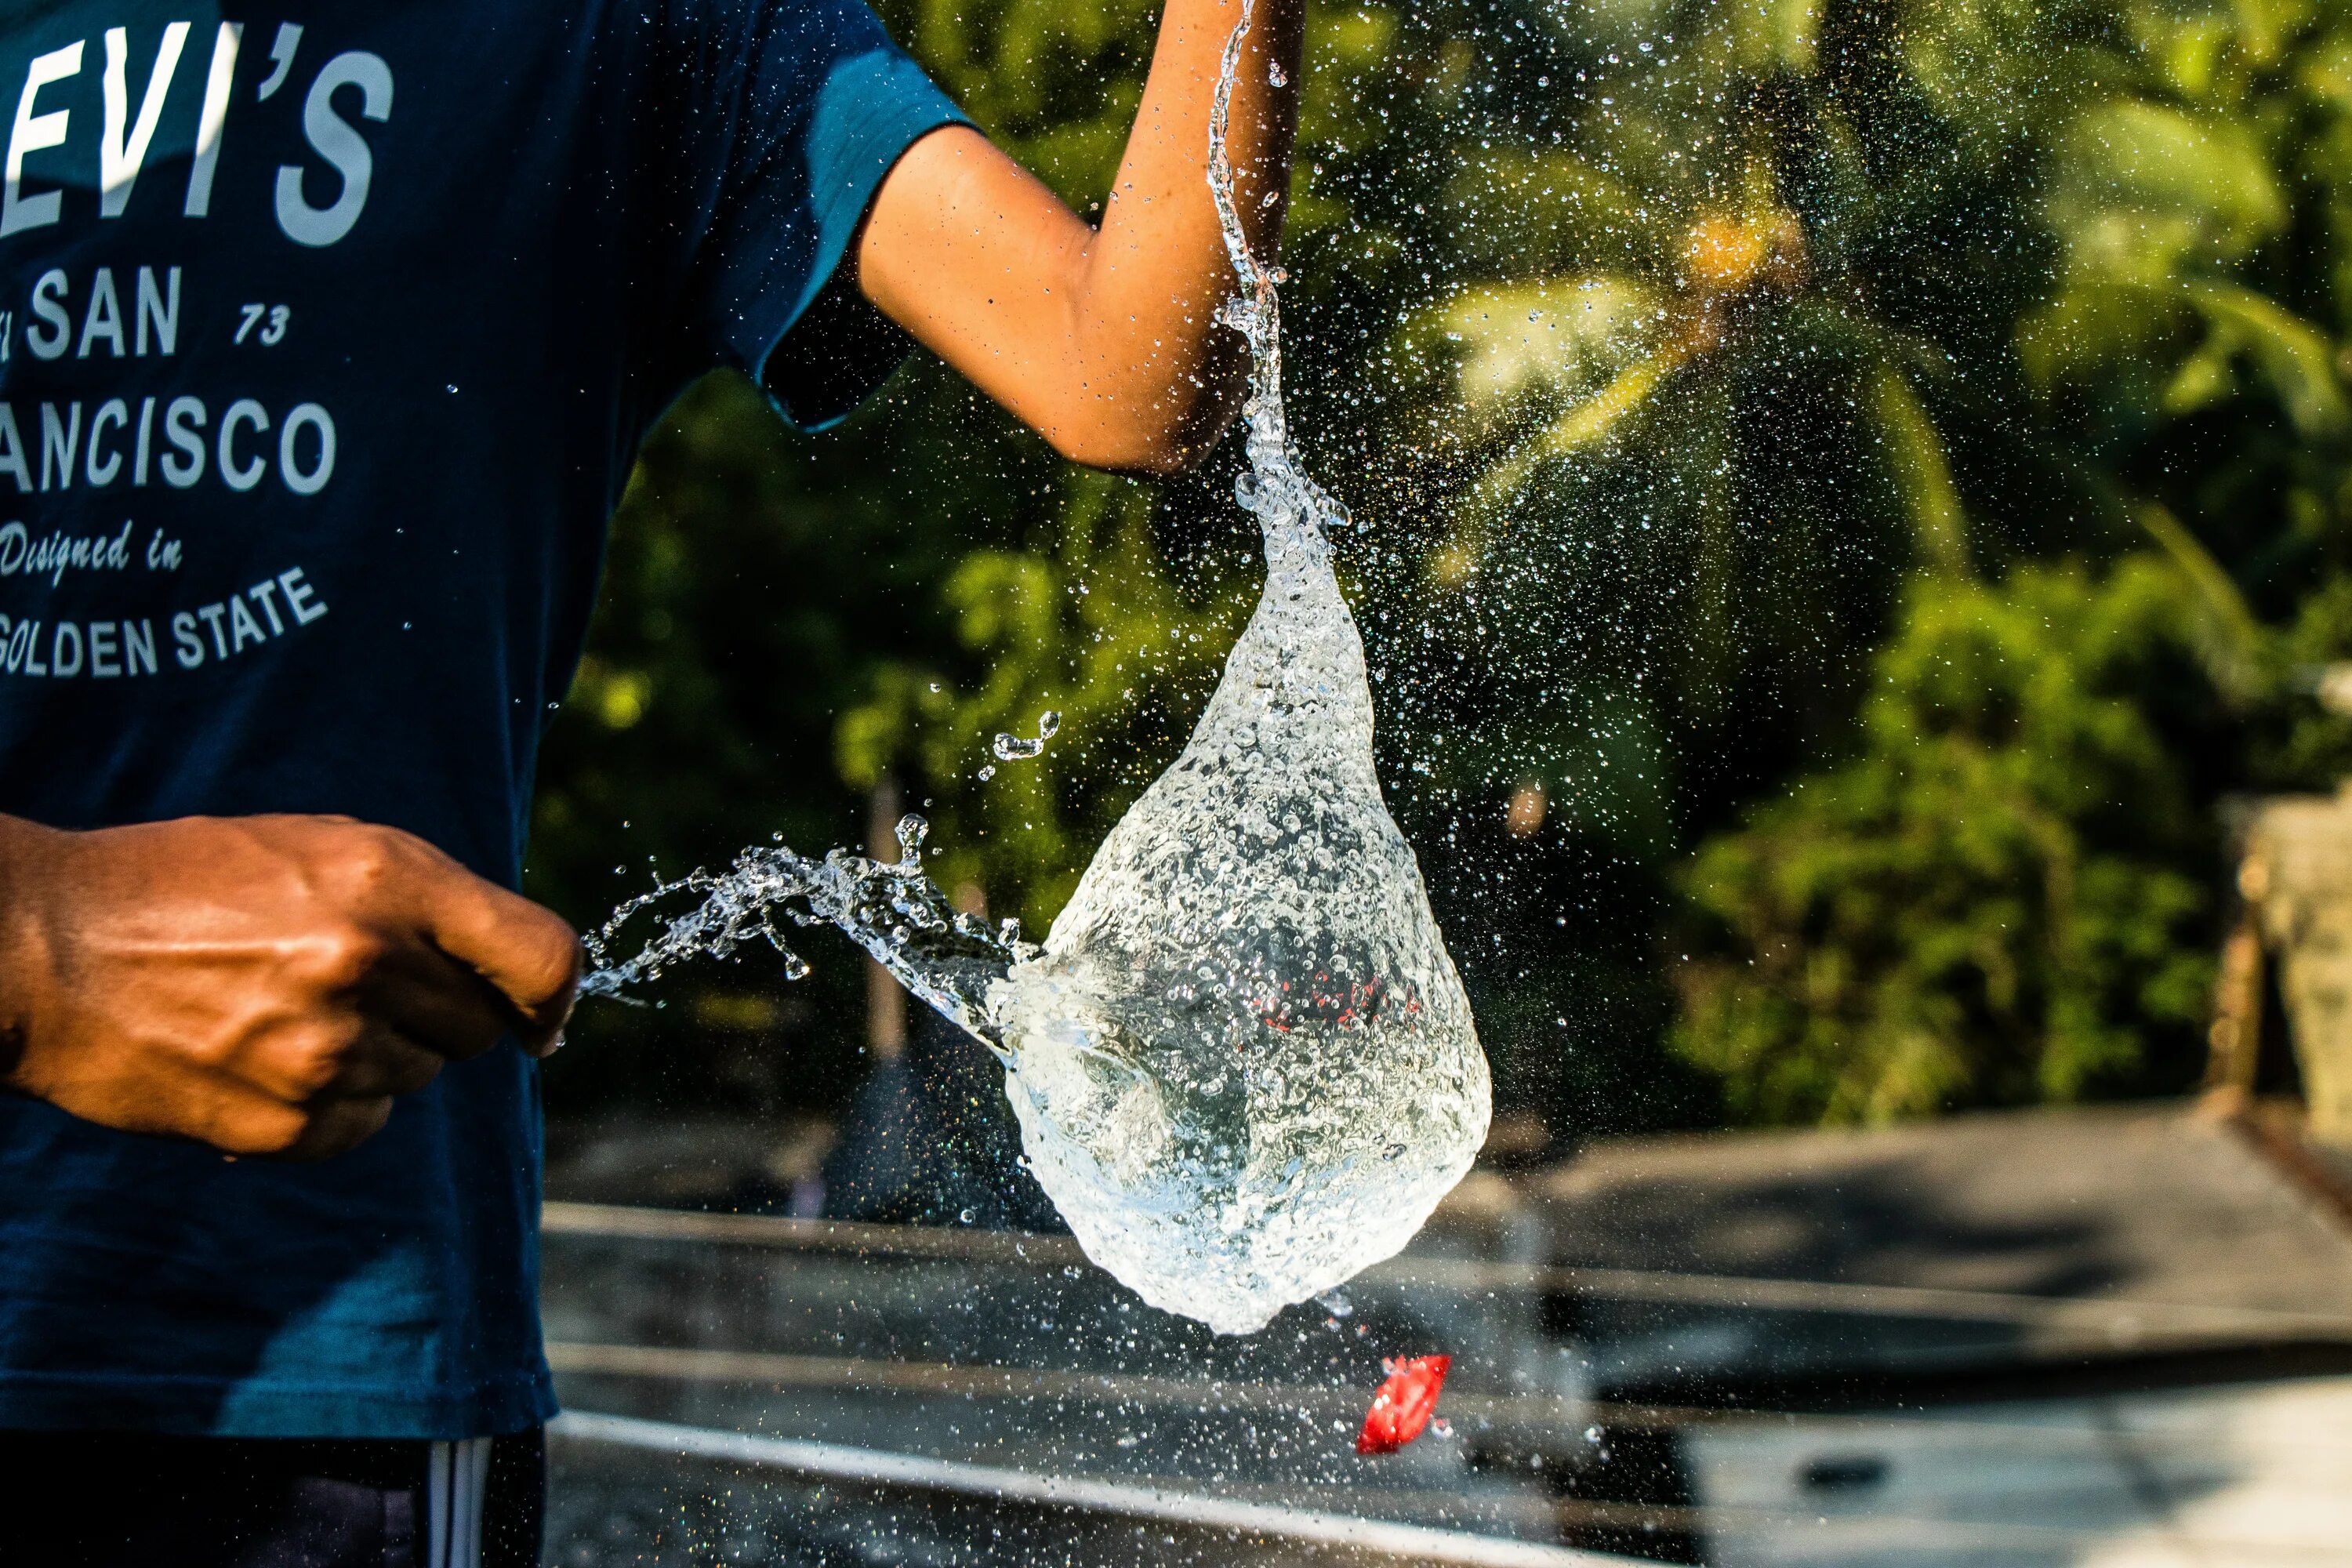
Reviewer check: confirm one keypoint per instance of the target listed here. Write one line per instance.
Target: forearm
(1104, 340)
(1159, 269)
(24, 849)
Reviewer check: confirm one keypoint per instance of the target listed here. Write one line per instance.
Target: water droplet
(911, 831)
(1012, 748)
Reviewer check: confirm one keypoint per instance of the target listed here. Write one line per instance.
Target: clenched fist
(266, 985)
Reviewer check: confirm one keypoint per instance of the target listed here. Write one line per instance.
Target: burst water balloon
(1242, 1064)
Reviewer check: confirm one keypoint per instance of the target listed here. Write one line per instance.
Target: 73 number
(271, 319)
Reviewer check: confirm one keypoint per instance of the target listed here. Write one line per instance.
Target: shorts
(114, 1500)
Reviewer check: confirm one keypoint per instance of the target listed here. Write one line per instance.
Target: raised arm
(1103, 340)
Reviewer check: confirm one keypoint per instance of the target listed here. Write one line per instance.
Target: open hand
(266, 985)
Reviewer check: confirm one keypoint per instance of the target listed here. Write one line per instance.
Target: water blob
(1015, 749)
(1242, 1065)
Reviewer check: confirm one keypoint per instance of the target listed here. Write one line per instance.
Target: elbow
(1149, 454)
(1170, 434)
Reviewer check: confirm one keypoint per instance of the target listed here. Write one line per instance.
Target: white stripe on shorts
(456, 1475)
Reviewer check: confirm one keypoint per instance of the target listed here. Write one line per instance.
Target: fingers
(355, 1058)
(268, 1127)
(384, 1062)
(528, 954)
(429, 997)
(314, 1096)
(336, 1128)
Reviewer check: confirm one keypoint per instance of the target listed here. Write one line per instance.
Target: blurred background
(1856, 567)
(1850, 492)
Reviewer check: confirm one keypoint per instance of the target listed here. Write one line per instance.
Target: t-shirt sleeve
(793, 111)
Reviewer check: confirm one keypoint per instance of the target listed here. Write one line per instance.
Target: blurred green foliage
(1849, 487)
(1998, 899)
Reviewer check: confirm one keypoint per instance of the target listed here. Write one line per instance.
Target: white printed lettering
(12, 451)
(112, 411)
(116, 650)
(153, 308)
(281, 58)
(334, 139)
(104, 649)
(138, 646)
(33, 134)
(237, 475)
(264, 594)
(104, 317)
(210, 120)
(59, 442)
(300, 597)
(183, 424)
(121, 157)
(306, 416)
(146, 430)
(50, 305)
(59, 552)
(243, 627)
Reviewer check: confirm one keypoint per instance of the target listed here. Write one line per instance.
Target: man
(326, 340)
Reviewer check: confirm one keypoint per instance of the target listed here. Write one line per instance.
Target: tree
(2004, 898)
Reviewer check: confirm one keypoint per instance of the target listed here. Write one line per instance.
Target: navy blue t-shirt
(327, 336)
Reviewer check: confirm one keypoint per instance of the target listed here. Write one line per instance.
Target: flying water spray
(1242, 1065)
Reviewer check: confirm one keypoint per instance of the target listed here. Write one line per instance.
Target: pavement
(2116, 1337)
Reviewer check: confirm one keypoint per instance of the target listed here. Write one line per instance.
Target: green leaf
(2295, 357)
(1551, 340)
(1923, 472)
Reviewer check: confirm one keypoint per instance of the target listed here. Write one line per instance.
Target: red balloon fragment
(1404, 1403)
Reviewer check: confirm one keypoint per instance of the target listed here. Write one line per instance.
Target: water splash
(1242, 1064)
(1017, 749)
(944, 955)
